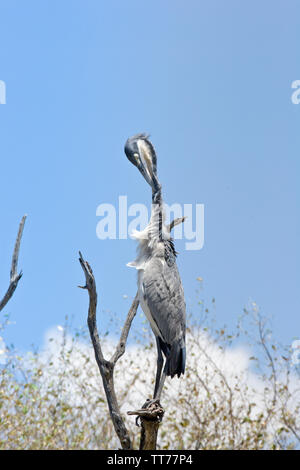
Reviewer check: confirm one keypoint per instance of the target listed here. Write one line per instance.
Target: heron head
(141, 153)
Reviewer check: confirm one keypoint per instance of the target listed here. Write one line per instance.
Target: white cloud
(3, 351)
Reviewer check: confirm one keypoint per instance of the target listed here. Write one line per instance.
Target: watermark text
(296, 94)
(296, 352)
(119, 222)
(2, 92)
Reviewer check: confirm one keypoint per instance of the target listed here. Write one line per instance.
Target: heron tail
(176, 360)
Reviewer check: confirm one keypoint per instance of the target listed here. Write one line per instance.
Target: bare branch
(174, 222)
(151, 416)
(106, 368)
(14, 276)
(125, 331)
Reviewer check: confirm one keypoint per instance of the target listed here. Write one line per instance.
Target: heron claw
(150, 401)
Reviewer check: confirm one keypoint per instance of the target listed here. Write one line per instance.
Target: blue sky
(211, 82)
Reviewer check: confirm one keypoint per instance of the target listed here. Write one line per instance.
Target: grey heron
(160, 289)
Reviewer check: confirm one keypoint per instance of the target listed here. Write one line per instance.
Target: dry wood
(14, 276)
(106, 367)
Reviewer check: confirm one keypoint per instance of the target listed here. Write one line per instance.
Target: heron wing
(163, 294)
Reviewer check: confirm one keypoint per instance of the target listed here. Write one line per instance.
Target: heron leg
(157, 395)
(160, 361)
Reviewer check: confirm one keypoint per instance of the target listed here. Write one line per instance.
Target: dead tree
(14, 276)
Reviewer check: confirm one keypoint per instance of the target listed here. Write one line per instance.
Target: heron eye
(136, 155)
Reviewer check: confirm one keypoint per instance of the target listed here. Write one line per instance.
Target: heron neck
(156, 190)
(157, 213)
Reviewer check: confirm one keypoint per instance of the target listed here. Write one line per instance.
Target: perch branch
(14, 276)
(151, 415)
(106, 368)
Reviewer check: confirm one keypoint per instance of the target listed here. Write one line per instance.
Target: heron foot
(150, 411)
(151, 401)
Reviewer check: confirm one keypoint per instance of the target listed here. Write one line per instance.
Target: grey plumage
(163, 293)
(159, 285)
